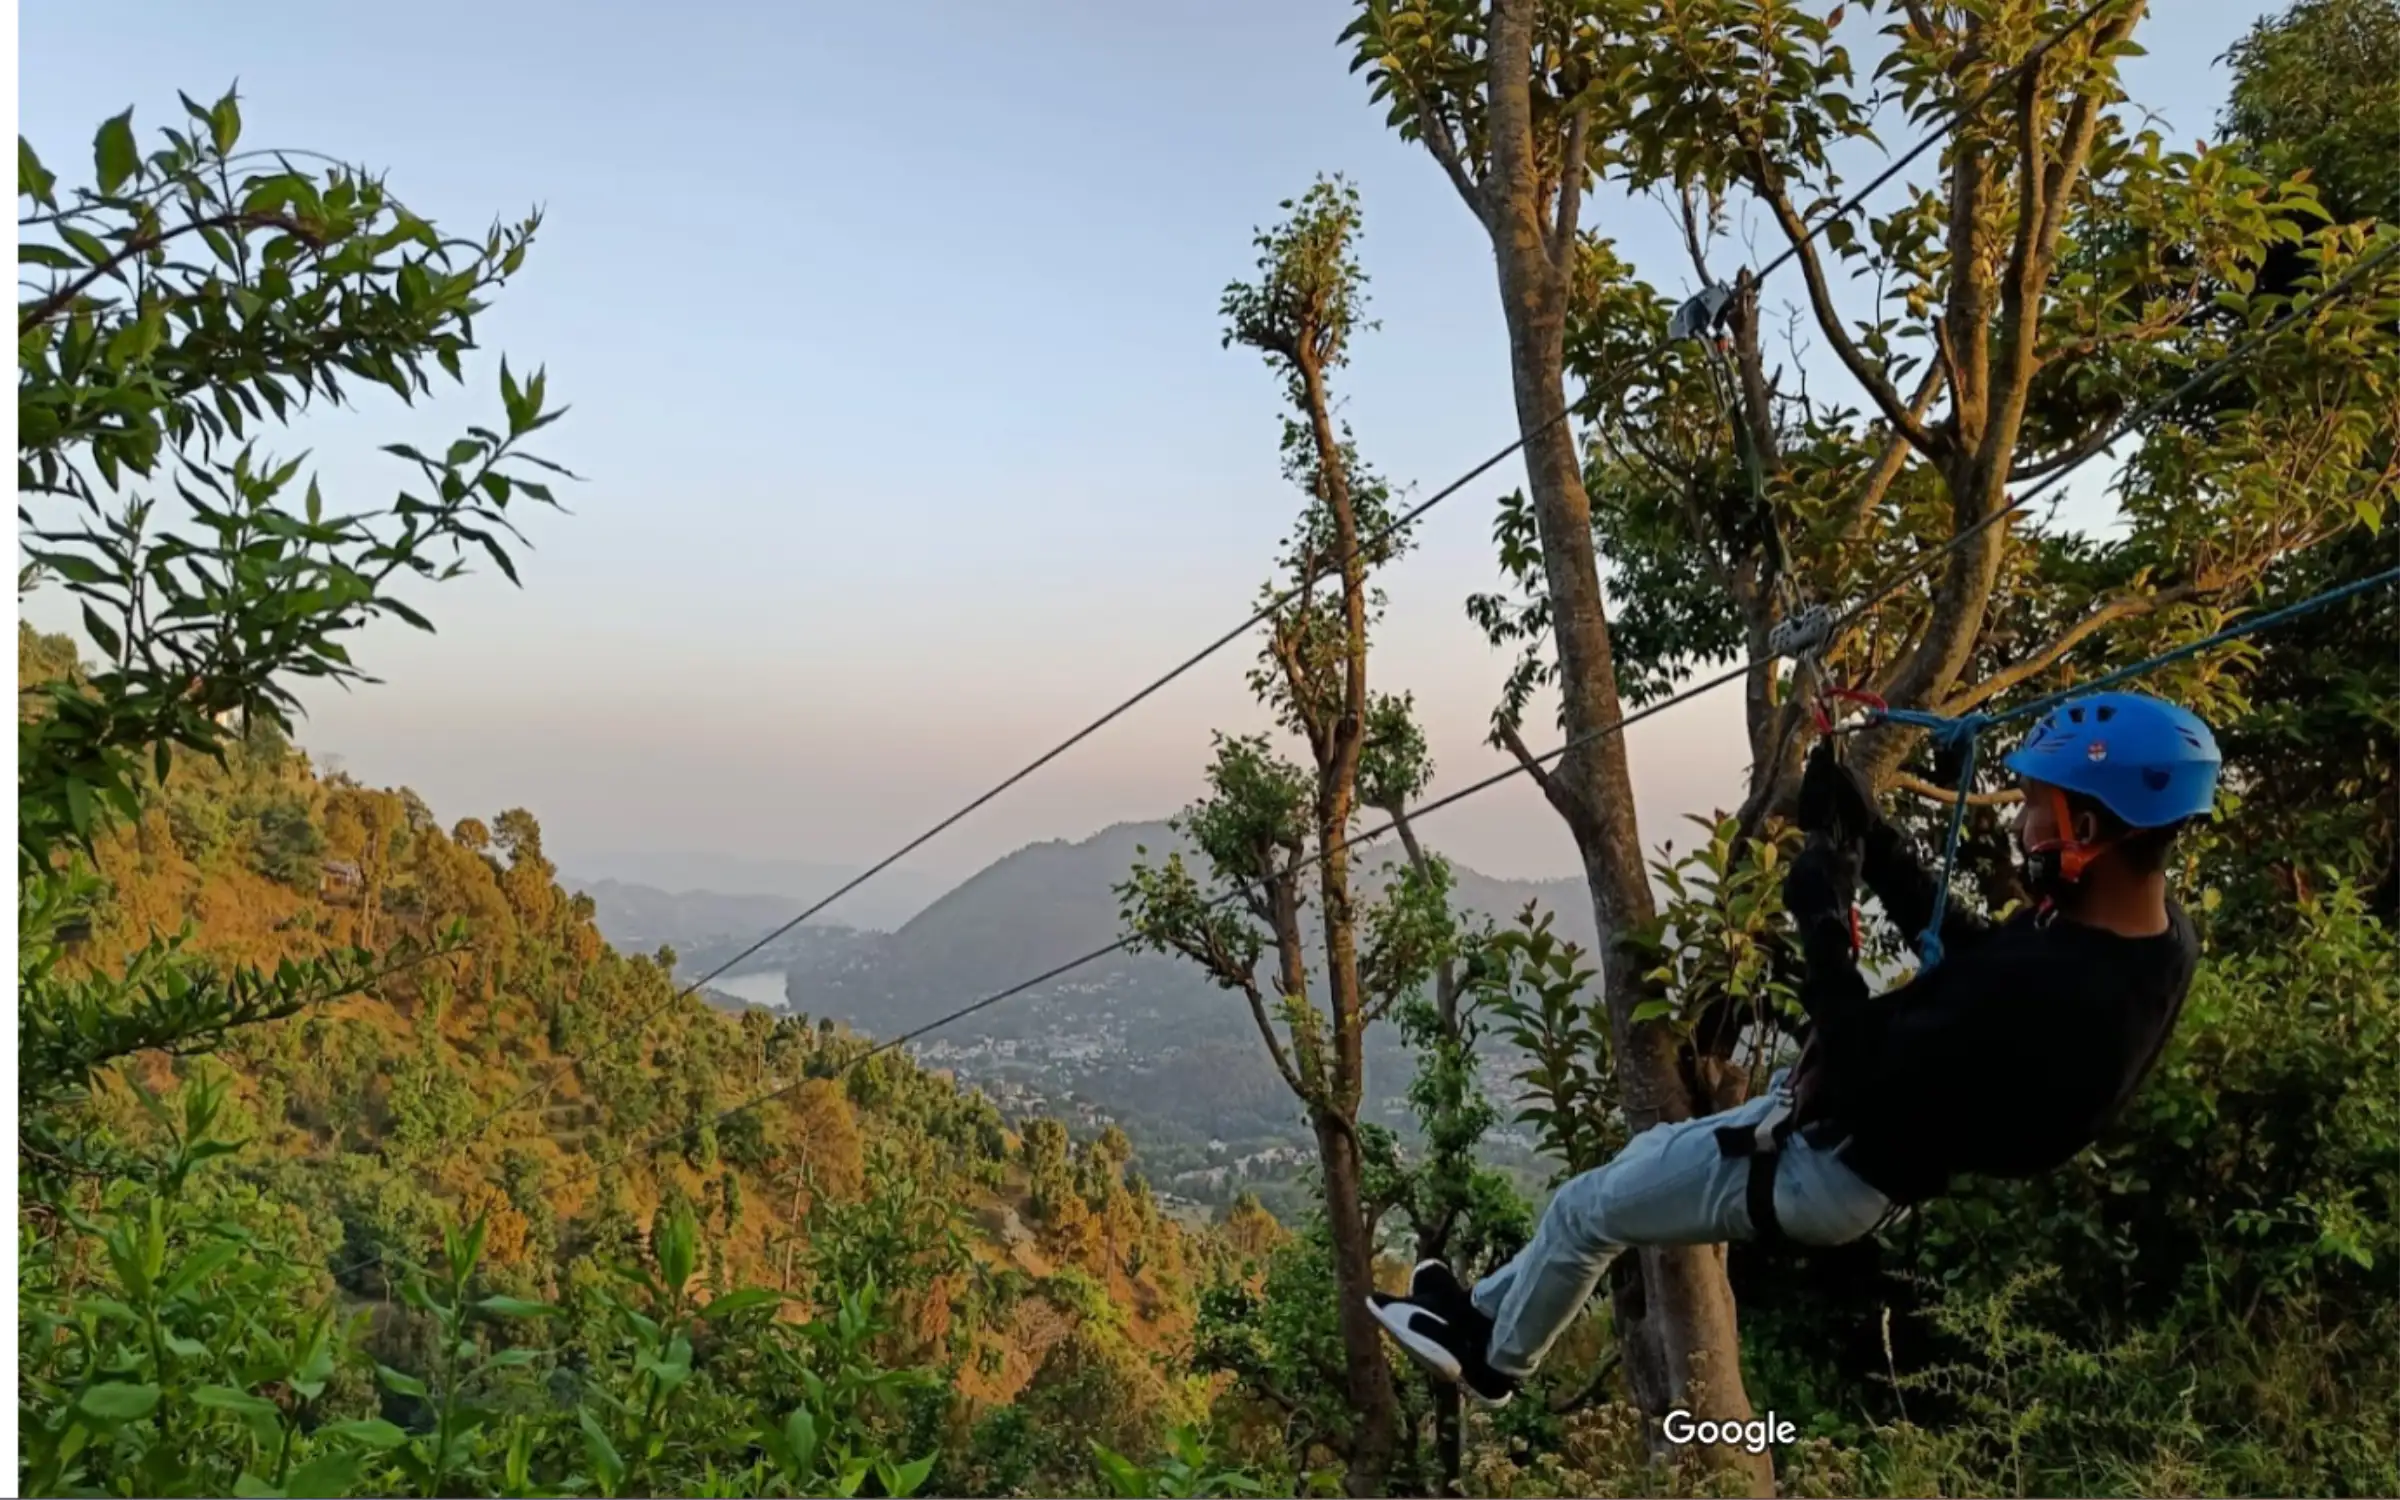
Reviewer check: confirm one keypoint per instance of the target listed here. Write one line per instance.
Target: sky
(906, 441)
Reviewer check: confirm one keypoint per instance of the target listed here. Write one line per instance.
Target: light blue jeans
(1669, 1186)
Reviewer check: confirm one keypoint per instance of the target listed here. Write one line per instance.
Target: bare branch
(1514, 743)
(1875, 382)
(1571, 172)
(2124, 607)
(1692, 238)
(1948, 795)
(1435, 131)
(1222, 962)
(1889, 463)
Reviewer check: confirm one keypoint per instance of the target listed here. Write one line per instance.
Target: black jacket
(2004, 1060)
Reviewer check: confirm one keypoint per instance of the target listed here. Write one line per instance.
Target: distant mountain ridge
(638, 918)
(1065, 890)
(1029, 911)
(882, 904)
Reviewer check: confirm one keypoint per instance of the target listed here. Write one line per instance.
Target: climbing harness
(1762, 1144)
(1959, 736)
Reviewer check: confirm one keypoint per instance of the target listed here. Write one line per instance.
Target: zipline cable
(1365, 547)
(2207, 376)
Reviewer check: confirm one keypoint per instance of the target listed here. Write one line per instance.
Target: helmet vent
(2105, 712)
(2155, 779)
(2075, 715)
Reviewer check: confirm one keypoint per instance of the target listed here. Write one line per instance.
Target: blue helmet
(2146, 760)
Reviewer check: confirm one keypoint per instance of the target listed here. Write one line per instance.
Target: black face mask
(2043, 872)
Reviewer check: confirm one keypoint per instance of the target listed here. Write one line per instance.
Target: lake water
(764, 987)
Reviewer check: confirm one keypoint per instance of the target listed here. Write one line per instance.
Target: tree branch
(142, 244)
(1222, 962)
(1947, 795)
(1435, 131)
(1514, 743)
(2124, 607)
(1890, 462)
(1877, 385)
(1304, 703)
(1570, 191)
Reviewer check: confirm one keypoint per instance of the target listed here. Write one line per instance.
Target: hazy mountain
(1049, 903)
(882, 904)
(638, 918)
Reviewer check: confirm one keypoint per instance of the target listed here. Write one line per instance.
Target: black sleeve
(1830, 983)
(1906, 889)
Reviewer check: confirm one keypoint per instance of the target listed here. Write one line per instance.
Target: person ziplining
(2005, 1055)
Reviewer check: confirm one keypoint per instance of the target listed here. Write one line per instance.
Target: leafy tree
(176, 303)
(2317, 88)
(2065, 269)
(1266, 820)
(1506, 96)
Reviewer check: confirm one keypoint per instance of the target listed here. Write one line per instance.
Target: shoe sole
(1428, 1355)
(1437, 1360)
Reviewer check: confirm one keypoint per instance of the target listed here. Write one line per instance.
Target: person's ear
(2086, 828)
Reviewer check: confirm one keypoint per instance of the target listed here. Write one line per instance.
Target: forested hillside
(532, 1079)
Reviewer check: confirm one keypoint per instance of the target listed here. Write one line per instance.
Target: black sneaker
(1436, 1288)
(1448, 1349)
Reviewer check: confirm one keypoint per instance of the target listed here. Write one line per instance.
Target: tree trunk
(1372, 1404)
(1690, 1305)
(1336, 736)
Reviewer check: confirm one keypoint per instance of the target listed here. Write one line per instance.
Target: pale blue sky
(890, 333)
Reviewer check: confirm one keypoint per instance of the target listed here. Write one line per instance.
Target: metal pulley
(1802, 633)
(1703, 315)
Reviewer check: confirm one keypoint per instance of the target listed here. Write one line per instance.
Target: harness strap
(1762, 1143)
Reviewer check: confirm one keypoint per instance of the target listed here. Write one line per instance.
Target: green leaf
(1651, 1010)
(905, 1480)
(199, 1264)
(115, 157)
(225, 127)
(742, 1301)
(800, 1441)
(241, 1403)
(33, 179)
(249, 1486)
(327, 1474)
(102, 635)
(516, 1307)
(90, 246)
(396, 1382)
(371, 1432)
(118, 1402)
(602, 1453)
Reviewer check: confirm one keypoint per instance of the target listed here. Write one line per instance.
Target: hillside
(537, 1078)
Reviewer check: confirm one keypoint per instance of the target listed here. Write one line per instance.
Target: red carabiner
(1823, 715)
